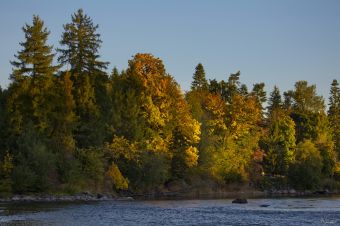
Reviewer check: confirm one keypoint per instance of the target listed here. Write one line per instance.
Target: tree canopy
(73, 127)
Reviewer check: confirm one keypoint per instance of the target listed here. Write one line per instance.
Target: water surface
(283, 211)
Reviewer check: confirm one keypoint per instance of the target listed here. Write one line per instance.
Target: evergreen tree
(36, 57)
(334, 114)
(199, 80)
(275, 101)
(34, 70)
(3, 125)
(334, 99)
(214, 87)
(231, 88)
(307, 109)
(279, 144)
(244, 90)
(114, 73)
(306, 99)
(259, 93)
(81, 45)
(288, 100)
(305, 171)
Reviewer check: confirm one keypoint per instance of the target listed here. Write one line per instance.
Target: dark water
(286, 211)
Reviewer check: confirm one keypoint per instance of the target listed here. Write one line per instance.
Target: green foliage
(35, 59)
(30, 96)
(34, 168)
(306, 99)
(279, 144)
(305, 171)
(153, 170)
(6, 168)
(334, 114)
(92, 167)
(90, 88)
(259, 93)
(81, 45)
(4, 126)
(275, 101)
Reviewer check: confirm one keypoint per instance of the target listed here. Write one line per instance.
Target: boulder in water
(240, 201)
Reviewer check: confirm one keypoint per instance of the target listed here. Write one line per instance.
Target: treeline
(70, 126)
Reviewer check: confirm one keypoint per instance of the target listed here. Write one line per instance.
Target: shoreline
(93, 197)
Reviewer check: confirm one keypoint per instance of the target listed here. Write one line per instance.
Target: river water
(281, 211)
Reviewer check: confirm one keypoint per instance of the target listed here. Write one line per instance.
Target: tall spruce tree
(36, 57)
(259, 93)
(34, 64)
(2, 123)
(334, 114)
(31, 109)
(231, 87)
(81, 43)
(199, 80)
(334, 99)
(275, 100)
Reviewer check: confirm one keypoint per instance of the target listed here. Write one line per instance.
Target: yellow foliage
(121, 147)
(243, 115)
(157, 144)
(215, 107)
(337, 168)
(191, 156)
(7, 165)
(119, 181)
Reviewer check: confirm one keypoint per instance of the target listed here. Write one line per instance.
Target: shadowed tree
(199, 80)
(334, 114)
(259, 93)
(275, 101)
(81, 43)
(33, 71)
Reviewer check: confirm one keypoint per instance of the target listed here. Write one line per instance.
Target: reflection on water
(284, 211)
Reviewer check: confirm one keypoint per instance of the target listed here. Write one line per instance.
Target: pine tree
(2, 123)
(334, 99)
(259, 93)
(114, 74)
(279, 144)
(81, 45)
(36, 57)
(199, 82)
(230, 88)
(306, 99)
(275, 101)
(34, 65)
(334, 114)
(288, 100)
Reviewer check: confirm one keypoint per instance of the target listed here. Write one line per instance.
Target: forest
(66, 125)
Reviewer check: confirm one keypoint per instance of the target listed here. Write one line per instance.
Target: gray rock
(128, 198)
(240, 201)
(292, 191)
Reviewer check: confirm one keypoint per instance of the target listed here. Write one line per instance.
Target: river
(279, 211)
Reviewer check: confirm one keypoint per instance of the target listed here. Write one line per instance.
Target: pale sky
(275, 42)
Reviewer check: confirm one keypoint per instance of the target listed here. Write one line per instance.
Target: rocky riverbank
(193, 194)
(84, 196)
